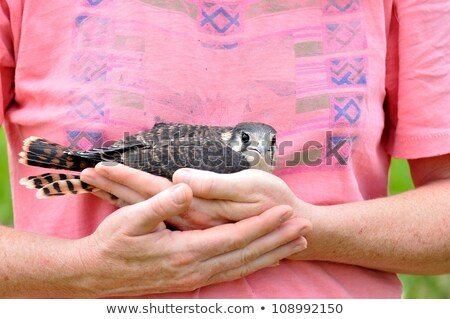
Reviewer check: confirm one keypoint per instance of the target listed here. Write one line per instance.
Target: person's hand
(218, 198)
(132, 253)
(232, 197)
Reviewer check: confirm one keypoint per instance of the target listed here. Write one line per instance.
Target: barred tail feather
(65, 187)
(40, 152)
(39, 181)
(53, 184)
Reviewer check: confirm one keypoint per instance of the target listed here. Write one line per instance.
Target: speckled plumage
(159, 151)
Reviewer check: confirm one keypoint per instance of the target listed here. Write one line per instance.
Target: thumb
(143, 218)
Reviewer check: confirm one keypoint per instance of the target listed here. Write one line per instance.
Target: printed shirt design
(298, 65)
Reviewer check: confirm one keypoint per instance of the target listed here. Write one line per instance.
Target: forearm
(406, 233)
(35, 266)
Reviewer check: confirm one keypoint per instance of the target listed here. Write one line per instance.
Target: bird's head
(257, 142)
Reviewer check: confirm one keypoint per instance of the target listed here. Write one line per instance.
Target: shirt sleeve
(7, 61)
(418, 79)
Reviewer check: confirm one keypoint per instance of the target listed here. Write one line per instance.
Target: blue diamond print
(95, 2)
(343, 112)
(210, 19)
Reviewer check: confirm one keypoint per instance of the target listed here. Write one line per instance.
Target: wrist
(316, 215)
(312, 212)
(87, 262)
(66, 275)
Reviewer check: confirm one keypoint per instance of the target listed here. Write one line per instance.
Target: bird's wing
(108, 153)
(200, 147)
(143, 139)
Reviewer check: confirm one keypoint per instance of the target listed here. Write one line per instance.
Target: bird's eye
(245, 138)
(274, 141)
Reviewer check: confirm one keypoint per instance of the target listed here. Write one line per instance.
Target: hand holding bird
(218, 198)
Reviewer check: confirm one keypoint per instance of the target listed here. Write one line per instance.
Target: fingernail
(178, 195)
(104, 168)
(301, 244)
(183, 175)
(108, 163)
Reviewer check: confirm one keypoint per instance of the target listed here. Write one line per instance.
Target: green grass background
(400, 180)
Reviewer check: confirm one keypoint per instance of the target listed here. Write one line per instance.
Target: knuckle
(118, 202)
(159, 205)
(147, 192)
(111, 172)
(153, 184)
(182, 260)
(237, 242)
(191, 282)
(245, 271)
(222, 209)
(207, 182)
(185, 271)
(249, 255)
(123, 174)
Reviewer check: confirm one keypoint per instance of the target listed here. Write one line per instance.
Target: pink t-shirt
(84, 72)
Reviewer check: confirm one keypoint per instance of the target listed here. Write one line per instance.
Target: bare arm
(37, 266)
(406, 233)
(132, 253)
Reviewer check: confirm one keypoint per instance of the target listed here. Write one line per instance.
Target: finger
(229, 237)
(210, 216)
(267, 260)
(293, 229)
(122, 192)
(143, 218)
(110, 198)
(211, 185)
(264, 252)
(206, 213)
(227, 209)
(144, 183)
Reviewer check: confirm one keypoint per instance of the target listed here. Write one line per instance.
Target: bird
(161, 151)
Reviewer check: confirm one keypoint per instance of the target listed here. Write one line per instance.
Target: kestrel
(159, 151)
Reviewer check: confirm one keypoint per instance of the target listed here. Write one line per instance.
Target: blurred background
(400, 180)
